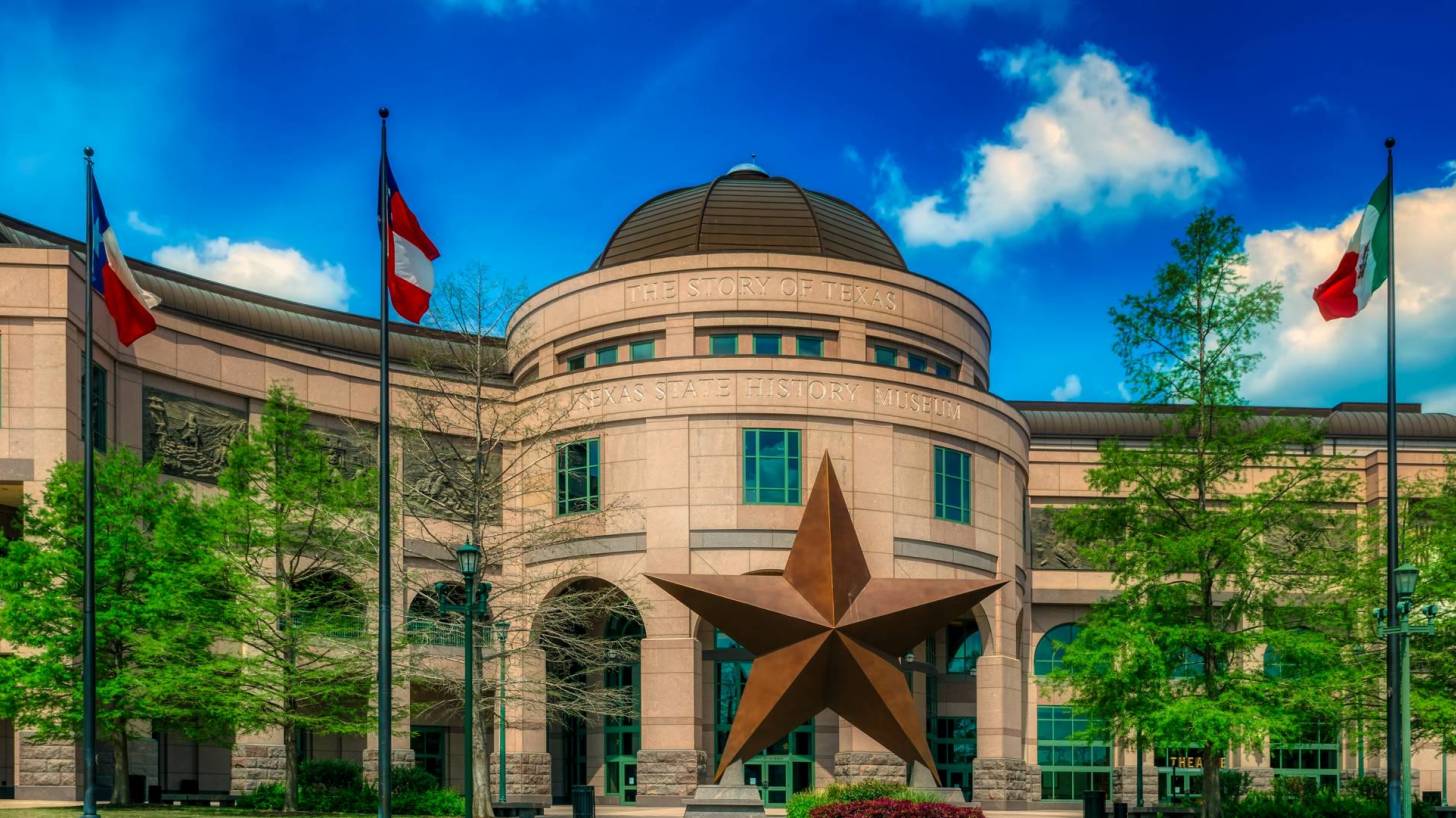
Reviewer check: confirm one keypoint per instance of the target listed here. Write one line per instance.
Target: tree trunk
(484, 804)
(1212, 786)
(120, 770)
(290, 770)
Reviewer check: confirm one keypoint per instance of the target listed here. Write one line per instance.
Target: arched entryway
(784, 767)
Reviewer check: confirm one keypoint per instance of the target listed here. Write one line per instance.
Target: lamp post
(476, 604)
(1401, 627)
(502, 628)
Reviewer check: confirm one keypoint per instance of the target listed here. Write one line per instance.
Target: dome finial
(749, 168)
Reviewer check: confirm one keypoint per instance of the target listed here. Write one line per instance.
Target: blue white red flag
(130, 306)
(410, 255)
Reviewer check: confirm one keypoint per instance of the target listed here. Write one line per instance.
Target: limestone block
(670, 773)
(864, 766)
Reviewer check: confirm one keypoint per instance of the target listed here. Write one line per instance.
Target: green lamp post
(476, 606)
(1401, 627)
(502, 629)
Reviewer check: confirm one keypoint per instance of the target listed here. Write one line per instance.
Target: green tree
(162, 602)
(1212, 532)
(297, 531)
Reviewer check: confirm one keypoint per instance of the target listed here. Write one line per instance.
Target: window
(952, 485)
(643, 350)
(1313, 753)
(576, 362)
(427, 624)
(767, 344)
(780, 769)
(1070, 766)
(962, 648)
(98, 407)
(810, 346)
(1052, 646)
(622, 735)
(954, 744)
(578, 476)
(606, 355)
(1180, 772)
(771, 466)
(329, 604)
(885, 356)
(723, 345)
(943, 370)
(915, 363)
(428, 744)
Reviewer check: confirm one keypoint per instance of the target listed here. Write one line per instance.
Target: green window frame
(1071, 761)
(943, 370)
(622, 734)
(952, 738)
(723, 344)
(952, 485)
(1314, 753)
(809, 346)
(606, 355)
(1053, 646)
(963, 648)
(771, 467)
(431, 747)
(578, 477)
(768, 344)
(885, 356)
(915, 363)
(576, 363)
(644, 350)
(779, 770)
(1180, 773)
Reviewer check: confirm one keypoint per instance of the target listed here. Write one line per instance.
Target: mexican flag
(1365, 265)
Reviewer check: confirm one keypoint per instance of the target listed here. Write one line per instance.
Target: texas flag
(130, 306)
(411, 276)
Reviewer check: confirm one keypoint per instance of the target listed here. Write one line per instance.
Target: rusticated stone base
(852, 767)
(47, 771)
(1260, 778)
(528, 777)
(997, 782)
(1124, 784)
(257, 764)
(666, 777)
(397, 757)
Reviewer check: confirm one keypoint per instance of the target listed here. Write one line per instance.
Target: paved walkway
(614, 811)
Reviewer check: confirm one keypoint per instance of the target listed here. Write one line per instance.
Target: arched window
(1190, 666)
(329, 604)
(1052, 646)
(962, 647)
(427, 624)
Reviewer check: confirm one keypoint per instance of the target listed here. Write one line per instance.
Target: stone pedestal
(666, 777)
(528, 778)
(923, 783)
(729, 799)
(998, 782)
(867, 766)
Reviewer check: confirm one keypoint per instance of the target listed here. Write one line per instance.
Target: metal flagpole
(88, 638)
(1394, 758)
(385, 589)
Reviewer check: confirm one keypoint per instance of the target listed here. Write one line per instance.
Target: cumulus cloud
(282, 272)
(1050, 11)
(1070, 389)
(1090, 148)
(135, 222)
(1305, 356)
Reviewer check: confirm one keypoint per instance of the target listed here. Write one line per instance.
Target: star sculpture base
(826, 634)
(729, 799)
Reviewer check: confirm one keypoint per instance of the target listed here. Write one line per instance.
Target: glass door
(786, 766)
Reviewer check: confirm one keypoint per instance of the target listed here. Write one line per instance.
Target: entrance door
(429, 745)
(7, 759)
(786, 766)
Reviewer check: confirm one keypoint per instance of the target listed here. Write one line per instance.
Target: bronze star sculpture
(826, 633)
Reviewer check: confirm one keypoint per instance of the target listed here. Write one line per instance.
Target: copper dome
(748, 210)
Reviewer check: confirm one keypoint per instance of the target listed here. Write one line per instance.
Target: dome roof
(748, 210)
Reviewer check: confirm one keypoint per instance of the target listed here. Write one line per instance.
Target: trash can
(583, 801)
(1094, 804)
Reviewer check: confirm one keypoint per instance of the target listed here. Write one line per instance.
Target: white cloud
(134, 221)
(1439, 400)
(1449, 168)
(1090, 148)
(1124, 392)
(282, 272)
(1070, 389)
(1307, 358)
(1050, 11)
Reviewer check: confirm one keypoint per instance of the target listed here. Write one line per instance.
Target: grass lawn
(148, 811)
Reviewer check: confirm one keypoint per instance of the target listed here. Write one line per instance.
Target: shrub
(803, 803)
(894, 808)
(334, 785)
(266, 796)
(1233, 785)
(330, 774)
(408, 778)
(434, 801)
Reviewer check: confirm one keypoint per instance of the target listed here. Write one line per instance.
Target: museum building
(728, 335)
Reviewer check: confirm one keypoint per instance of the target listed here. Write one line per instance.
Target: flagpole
(386, 691)
(88, 605)
(1395, 762)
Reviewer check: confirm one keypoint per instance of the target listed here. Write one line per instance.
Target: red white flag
(411, 273)
(130, 306)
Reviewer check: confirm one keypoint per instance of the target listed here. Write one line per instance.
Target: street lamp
(1401, 627)
(502, 629)
(476, 605)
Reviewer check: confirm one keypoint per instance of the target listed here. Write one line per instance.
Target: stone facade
(49, 769)
(868, 766)
(1124, 784)
(668, 776)
(257, 764)
(528, 777)
(1001, 781)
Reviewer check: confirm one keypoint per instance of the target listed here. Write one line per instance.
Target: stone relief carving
(1048, 549)
(191, 436)
(439, 473)
(353, 448)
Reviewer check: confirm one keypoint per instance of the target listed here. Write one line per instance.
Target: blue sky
(1036, 154)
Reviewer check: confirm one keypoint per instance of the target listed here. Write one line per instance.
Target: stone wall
(998, 781)
(398, 757)
(668, 776)
(47, 770)
(852, 767)
(528, 777)
(1124, 784)
(257, 764)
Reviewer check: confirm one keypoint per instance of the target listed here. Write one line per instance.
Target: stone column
(528, 763)
(1000, 775)
(258, 759)
(669, 765)
(47, 771)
